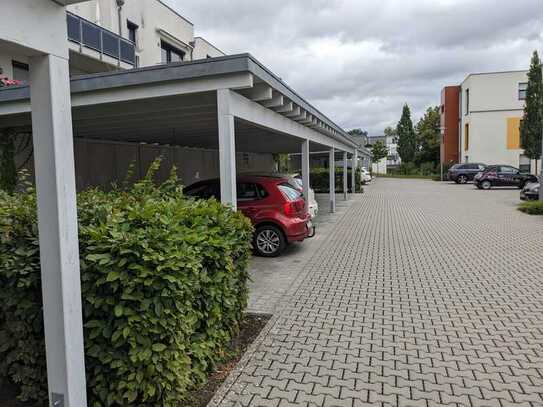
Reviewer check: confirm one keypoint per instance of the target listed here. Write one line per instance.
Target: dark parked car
(530, 192)
(275, 207)
(463, 173)
(502, 176)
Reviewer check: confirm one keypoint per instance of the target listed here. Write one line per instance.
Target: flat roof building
(486, 110)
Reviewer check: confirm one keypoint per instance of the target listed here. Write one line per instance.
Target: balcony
(105, 42)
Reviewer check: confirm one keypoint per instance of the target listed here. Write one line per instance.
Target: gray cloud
(359, 61)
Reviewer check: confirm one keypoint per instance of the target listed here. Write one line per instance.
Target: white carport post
(57, 222)
(354, 167)
(227, 148)
(345, 176)
(332, 159)
(305, 172)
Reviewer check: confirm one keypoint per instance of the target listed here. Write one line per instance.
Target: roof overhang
(157, 98)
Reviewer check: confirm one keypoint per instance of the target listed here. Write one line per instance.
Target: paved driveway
(424, 294)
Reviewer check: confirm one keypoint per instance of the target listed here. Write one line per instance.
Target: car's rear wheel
(269, 241)
(486, 185)
(462, 179)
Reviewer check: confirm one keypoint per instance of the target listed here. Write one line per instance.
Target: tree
(428, 137)
(361, 134)
(391, 132)
(379, 151)
(407, 142)
(532, 123)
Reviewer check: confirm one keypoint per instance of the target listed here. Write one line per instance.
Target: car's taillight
(289, 209)
(293, 209)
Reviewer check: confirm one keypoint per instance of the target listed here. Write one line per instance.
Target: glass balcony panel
(74, 28)
(110, 43)
(91, 36)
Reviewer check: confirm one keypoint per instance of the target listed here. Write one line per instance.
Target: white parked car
(365, 176)
(313, 204)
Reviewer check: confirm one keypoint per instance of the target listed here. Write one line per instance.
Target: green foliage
(8, 170)
(163, 288)
(428, 131)
(407, 142)
(411, 169)
(379, 151)
(532, 207)
(532, 124)
(320, 179)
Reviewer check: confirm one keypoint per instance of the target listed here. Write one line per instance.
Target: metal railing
(106, 42)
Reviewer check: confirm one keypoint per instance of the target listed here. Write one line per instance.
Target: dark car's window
(508, 170)
(247, 192)
(204, 191)
(290, 193)
(481, 167)
(472, 167)
(456, 167)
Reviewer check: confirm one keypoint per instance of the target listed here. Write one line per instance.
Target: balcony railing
(106, 42)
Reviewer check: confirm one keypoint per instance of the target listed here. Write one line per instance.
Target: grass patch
(403, 176)
(532, 207)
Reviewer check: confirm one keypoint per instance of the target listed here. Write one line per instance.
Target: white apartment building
(108, 35)
(492, 106)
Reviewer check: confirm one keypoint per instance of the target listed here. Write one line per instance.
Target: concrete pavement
(423, 294)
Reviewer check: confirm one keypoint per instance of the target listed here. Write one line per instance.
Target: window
(289, 192)
(508, 170)
(132, 31)
(170, 53)
(467, 102)
(466, 137)
(20, 71)
(525, 164)
(522, 88)
(247, 192)
(262, 193)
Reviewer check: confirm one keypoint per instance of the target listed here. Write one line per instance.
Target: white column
(227, 149)
(332, 159)
(57, 222)
(345, 176)
(353, 172)
(305, 171)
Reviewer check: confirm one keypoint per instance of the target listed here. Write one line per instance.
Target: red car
(275, 207)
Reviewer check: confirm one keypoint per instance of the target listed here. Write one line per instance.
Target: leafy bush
(320, 179)
(163, 287)
(532, 207)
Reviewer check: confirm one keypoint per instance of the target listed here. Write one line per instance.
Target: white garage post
(332, 159)
(57, 222)
(345, 176)
(227, 149)
(305, 172)
(354, 167)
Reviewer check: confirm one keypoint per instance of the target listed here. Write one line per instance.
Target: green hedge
(163, 286)
(320, 179)
(532, 207)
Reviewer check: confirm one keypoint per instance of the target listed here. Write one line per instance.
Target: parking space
(419, 294)
(271, 278)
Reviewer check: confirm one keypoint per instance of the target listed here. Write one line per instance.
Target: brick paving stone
(420, 294)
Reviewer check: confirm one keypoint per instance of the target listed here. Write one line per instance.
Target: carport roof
(200, 69)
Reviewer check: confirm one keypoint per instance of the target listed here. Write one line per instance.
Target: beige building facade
(109, 35)
(491, 110)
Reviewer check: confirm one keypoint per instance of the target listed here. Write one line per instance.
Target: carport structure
(229, 104)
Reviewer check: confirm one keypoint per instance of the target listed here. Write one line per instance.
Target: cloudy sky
(359, 61)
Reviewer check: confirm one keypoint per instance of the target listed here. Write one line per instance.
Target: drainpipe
(120, 4)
